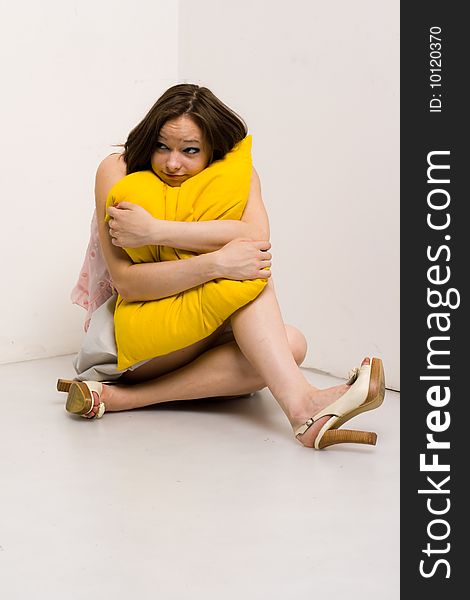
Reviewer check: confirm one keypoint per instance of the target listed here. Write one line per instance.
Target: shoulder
(112, 164)
(110, 170)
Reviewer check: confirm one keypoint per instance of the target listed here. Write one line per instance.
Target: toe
(96, 403)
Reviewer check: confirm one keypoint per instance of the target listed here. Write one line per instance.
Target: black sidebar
(435, 268)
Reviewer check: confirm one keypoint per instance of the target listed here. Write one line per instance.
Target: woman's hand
(131, 226)
(243, 259)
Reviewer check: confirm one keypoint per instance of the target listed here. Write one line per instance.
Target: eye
(160, 146)
(191, 150)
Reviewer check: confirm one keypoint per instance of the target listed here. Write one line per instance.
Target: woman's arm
(150, 281)
(131, 226)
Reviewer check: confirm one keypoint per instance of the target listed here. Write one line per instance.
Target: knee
(297, 343)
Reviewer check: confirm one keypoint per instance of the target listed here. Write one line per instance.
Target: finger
(266, 255)
(265, 263)
(126, 205)
(264, 274)
(263, 245)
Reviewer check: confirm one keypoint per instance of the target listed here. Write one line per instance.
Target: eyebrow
(185, 141)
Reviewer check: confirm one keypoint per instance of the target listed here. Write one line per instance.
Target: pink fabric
(94, 285)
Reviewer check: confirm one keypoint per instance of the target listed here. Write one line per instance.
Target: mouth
(172, 176)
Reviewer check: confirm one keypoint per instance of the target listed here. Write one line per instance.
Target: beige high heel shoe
(367, 392)
(80, 397)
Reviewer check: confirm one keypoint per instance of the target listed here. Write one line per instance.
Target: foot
(96, 402)
(317, 401)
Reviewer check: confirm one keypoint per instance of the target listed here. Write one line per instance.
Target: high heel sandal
(367, 392)
(80, 399)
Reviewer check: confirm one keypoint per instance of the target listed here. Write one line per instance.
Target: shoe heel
(77, 401)
(343, 436)
(63, 385)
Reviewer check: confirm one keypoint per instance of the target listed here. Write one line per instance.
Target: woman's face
(181, 151)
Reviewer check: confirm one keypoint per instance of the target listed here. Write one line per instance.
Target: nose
(173, 163)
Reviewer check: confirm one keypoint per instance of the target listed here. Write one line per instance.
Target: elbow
(125, 296)
(128, 296)
(123, 291)
(123, 282)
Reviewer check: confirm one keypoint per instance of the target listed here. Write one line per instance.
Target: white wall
(76, 77)
(319, 87)
(318, 84)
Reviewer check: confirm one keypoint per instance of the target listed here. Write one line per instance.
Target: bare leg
(265, 359)
(221, 370)
(260, 334)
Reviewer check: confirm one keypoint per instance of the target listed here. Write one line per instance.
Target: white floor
(205, 499)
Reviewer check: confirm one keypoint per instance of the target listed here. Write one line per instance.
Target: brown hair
(221, 127)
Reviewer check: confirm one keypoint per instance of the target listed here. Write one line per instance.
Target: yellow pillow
(148, 329)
